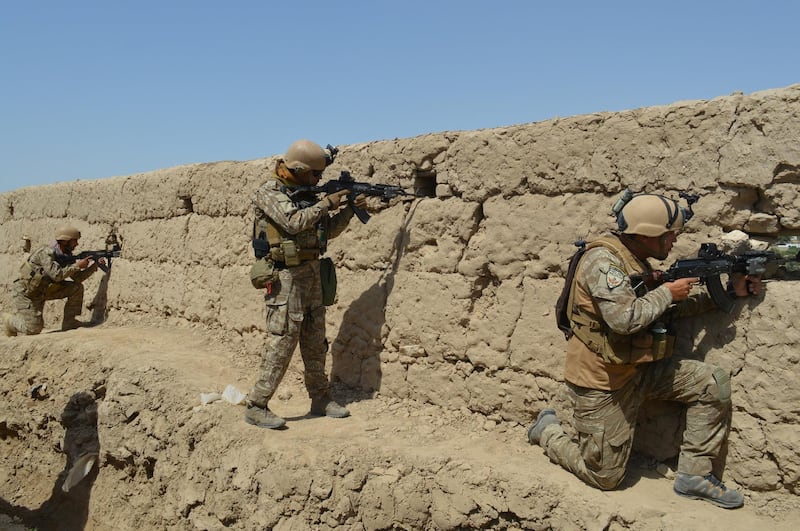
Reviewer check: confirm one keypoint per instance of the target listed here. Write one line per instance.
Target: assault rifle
(346, 182)
(112, 252)
(709, 265)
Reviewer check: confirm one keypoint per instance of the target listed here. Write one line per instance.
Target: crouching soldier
(49, 273)
(620, 354)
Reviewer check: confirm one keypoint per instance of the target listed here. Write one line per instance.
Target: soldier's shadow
(68, 510)
(357, 348)
(99, 304)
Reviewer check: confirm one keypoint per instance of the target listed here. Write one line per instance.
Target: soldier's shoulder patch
(614, 277)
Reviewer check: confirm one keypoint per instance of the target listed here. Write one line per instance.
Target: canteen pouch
(262, 272)
(327, 275)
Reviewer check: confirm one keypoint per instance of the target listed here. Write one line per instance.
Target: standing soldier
(44, 278)
(620, 354)
(293, 231)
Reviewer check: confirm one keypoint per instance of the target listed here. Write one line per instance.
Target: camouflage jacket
(42, 269)
(624, 336)
(298, 220)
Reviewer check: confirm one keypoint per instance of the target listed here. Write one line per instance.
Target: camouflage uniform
(295, 312)
(42, 279)
(607, 395)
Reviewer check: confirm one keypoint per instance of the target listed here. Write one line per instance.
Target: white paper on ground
(233, 395)
(207, 398)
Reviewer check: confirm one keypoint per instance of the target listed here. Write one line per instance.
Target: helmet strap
(637, 248)
(672, 213)
(662, 246)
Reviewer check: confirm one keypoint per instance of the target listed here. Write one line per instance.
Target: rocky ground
(168, 462)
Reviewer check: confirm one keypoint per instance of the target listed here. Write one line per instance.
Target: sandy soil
(168, 463)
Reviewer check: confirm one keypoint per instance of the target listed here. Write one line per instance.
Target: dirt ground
(166, 462)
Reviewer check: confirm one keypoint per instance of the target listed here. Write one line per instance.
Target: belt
(282, 265)
(304, 255)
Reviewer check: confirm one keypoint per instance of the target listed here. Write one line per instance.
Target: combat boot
(8, 329)
(325, 406)
(71, 324)
(545, 418)
(707, 488)
(263, 418)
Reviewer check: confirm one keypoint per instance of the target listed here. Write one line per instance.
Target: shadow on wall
(356, 350)
(67, 509)
(99, 304)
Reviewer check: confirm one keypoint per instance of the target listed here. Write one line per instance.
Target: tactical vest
(643, 346)
(285, 249)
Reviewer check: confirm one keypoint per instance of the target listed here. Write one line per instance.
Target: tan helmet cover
(67, 232)
(651, 215)
(305, 155)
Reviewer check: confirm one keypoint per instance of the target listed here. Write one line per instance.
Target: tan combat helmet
(67, 233)
(305, 155)
(650, 215)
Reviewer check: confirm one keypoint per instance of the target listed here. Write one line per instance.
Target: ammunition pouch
(289, 255)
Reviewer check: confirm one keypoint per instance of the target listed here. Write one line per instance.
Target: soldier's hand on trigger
(681, 288)
(335, 199)
(83, 263)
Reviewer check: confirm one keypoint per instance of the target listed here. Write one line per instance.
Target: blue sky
(94, 89)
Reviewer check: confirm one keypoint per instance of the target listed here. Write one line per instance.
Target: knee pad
(723, 385)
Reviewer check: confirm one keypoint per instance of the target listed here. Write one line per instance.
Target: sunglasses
(300, 173)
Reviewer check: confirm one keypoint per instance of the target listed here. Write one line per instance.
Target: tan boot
(543, 420)
(8, 329)
(325, 406)
(707, 488)
(263, 418)
(72, 324)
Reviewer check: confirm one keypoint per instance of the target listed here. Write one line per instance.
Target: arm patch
(614, 277)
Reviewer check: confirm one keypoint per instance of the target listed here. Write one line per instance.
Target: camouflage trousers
(605, 421)
(295, 314)
(28, 316)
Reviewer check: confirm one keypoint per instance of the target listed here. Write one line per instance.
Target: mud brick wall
(448, 299)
